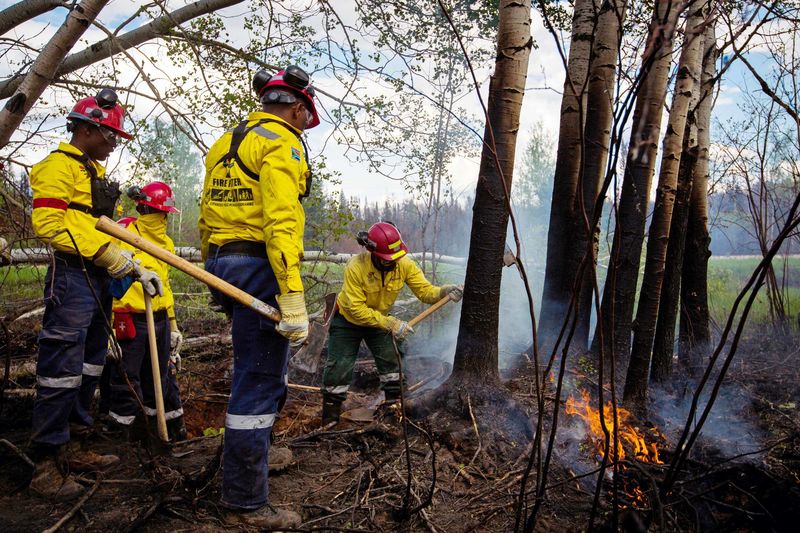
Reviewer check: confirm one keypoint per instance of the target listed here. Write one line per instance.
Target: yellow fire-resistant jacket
(366, 298)
(237, 207)
(57, 181)
(152, 227)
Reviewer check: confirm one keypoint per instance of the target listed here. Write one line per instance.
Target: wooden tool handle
(151, 337)
(429, 311)
(106, 225)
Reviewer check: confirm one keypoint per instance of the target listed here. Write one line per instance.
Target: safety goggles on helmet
(284, 87)
(100, 111)
(157, 195)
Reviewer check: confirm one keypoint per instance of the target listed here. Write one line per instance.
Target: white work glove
(294, 318)
(175, 361)
(175, 337)
(151, 283)
(117, 262)
(399, 328)
(456, 292)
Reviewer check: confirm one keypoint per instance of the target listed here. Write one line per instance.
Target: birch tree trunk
(16, 14)
(619, 291)
(44, 68)
(108, 47)
(695, 330)
(687, 84)
(558, 283)
(597, 135)
(476, 357)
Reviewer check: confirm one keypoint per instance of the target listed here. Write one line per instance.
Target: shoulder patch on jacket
(295, 154)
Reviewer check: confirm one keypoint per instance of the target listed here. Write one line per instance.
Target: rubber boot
(176, 429)
(330, 411)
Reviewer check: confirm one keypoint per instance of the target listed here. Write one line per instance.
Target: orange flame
(629, 434)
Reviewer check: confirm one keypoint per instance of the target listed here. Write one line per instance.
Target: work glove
(399, 328)
(175, 363)
(294, 318)
(175, 337)
(117, 262)
(151, 283)
(456, 292)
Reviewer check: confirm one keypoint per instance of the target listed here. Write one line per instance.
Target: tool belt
(249, 248)
(74, 261)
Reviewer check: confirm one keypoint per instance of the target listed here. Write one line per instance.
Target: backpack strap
(87, 164)
(240, 132)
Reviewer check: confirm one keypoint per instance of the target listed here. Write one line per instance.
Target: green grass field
(22, 285)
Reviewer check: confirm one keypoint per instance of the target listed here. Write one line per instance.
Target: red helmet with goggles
(101, 110)
(383, 240)
(157, 195)
(281, 88)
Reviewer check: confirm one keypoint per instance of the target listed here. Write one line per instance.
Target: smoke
(728, 432)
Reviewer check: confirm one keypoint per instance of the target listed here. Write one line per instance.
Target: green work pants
(344, 339)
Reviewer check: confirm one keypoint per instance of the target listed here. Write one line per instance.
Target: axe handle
(106, 225)
(429, 311)
(161, 419)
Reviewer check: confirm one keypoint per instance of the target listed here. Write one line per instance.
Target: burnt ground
(355, 476)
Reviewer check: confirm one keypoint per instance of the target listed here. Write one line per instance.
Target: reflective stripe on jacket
(366, 298)
(152, 227)
(236, 207)
(57, 181)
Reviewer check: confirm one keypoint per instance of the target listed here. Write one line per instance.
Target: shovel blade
(307, 357)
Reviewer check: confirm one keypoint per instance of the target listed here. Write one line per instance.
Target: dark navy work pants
(72, 350)
(258, 391)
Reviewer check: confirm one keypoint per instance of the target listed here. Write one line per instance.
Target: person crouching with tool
(154, 202)
(372, 281)
(70, 193)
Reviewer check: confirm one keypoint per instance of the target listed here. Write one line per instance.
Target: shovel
(151, 337)
(308, 356)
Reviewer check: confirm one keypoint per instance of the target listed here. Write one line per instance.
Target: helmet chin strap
(378, 263)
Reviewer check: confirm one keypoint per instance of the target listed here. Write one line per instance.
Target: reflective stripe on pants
(72, 351)
(344, 340)
(258, 390)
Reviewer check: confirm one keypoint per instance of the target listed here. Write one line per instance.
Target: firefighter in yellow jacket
(70, 192)
(154, 202)
(251, 229)
(372, 281)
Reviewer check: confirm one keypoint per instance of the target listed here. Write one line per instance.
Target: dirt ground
(355, 476)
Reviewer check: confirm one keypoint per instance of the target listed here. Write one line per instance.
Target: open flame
(630, 437)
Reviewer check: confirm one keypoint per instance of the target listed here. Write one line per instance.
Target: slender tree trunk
(687, 84)
(43, 69)
(476, 354)
(597, 135)
(558, 283)
(619, 291)
(108, 47)
(16, 14)
(695, 331)
(663, 344)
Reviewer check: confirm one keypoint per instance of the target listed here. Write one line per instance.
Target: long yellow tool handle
(106, 225)
(151, 336)
(429, 311)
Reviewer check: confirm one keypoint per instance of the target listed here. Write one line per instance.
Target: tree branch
(16, 14)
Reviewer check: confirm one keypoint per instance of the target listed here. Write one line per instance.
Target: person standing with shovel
(154, 202)
(372, 281)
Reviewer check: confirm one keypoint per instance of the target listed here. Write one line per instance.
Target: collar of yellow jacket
(72, 149)
(261, 115)
(153, 227)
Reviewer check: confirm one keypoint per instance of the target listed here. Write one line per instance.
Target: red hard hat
(158, 195)
(384, 240)
(101, 110)
(292, 78)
